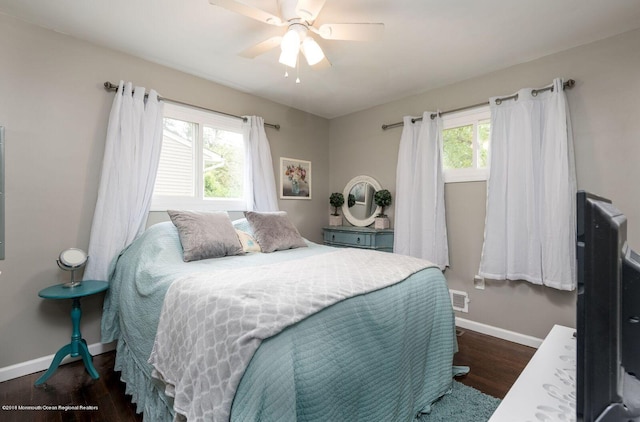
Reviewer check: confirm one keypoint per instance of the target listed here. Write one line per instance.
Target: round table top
(87, 288)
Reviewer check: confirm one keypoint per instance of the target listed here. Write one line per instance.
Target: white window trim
(231, 124)
(465, 175)
(463, 118)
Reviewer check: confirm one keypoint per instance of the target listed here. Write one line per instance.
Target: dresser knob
(358, 241)
(333, 237)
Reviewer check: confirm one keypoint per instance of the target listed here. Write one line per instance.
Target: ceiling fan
(299, 17)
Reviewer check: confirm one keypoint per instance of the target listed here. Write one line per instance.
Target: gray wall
(55, 114)
(605, 108)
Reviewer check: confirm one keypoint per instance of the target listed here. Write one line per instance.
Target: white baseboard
(499, 332)
(41, 364)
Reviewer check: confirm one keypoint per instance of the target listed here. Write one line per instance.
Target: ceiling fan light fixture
(290, 46)
(289, 58)
(312, 51)
(290, 41)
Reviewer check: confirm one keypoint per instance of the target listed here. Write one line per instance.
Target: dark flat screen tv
(608, 315)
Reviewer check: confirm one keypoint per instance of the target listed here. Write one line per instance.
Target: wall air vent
(459, 300)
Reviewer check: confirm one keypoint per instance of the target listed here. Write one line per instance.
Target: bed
(383, 353)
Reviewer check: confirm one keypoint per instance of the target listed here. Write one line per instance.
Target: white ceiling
(426, 44)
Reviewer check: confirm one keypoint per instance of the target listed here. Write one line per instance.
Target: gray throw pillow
(273, 231)
(205, 234)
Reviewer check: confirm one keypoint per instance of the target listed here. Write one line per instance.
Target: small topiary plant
(336, 200)
(352, 200)
(382, 198)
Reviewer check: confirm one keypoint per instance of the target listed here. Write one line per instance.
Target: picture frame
(295, 178)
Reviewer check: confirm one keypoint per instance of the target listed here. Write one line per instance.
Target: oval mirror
(364, 210)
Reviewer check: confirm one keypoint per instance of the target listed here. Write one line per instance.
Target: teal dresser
(359, 237)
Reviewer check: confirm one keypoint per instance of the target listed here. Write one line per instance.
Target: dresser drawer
(359, 237)
(348, 239)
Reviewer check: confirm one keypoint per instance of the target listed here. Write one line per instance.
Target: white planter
(381, 223)
(335, 220)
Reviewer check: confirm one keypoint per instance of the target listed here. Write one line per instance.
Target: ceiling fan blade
(248, 11)
(323, 64)
(350, 31)
(261, 47)
(309, 9)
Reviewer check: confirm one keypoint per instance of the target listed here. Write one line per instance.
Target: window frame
(465, 118)
(198, 202)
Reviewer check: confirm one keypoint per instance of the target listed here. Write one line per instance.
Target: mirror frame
(72, 259)
(345, 207)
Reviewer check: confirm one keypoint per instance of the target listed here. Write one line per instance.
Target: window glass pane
(175, 175)
(223, 160)
(483, 143)
(458, 147)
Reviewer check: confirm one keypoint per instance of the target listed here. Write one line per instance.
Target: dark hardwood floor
(495, 365)
(70, 385)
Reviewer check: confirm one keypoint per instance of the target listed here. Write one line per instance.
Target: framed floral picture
(295, 178)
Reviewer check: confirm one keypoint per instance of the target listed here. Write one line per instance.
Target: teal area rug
(464, 404)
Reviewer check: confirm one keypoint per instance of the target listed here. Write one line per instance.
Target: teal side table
(78, 345)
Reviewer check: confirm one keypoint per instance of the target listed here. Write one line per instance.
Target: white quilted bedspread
(212, 323)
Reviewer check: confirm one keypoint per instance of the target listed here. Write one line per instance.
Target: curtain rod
(568, 84)
(112, 87)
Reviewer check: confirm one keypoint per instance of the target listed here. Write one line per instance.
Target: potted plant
(336, 200)
(382, 198)
(352, 200)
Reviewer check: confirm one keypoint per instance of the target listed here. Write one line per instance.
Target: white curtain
(420, 226)
(260, 180)
(530, 228)
(129, 166)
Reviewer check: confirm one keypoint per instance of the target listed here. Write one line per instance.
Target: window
(202, 162)
(465, 145)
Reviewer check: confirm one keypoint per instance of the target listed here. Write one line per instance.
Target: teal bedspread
(383, 356)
